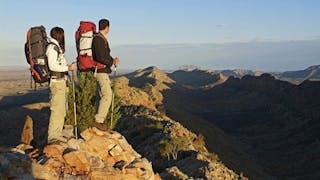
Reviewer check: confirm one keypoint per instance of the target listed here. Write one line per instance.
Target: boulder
(53, 164)
(67, 131)
(107, 174)
(173, 173)
(77, 163)
(41, 172)
(76, 144)
(54, 151)
(141, 168)
(27, 132)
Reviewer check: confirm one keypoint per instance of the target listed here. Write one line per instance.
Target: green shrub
(86, 97)
(85, 93)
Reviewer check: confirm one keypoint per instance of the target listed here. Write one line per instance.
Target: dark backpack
(84, 38)
(35, 51)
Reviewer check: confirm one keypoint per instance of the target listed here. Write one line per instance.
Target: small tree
(173, 146)
(166, 149)
(86, 98)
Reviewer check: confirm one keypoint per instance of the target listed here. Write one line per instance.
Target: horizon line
(26, 67)
(222, 43)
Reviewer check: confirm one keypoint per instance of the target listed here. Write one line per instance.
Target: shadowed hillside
(152, 94)
(274, 119)
(258, 125)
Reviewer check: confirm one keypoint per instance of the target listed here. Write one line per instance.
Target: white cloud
(220, 25)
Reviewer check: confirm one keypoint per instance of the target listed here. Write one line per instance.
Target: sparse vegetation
(199, 143)
(137, 110)
(156, 125)
(214, 157)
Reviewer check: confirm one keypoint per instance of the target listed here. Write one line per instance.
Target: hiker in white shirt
(58, 75)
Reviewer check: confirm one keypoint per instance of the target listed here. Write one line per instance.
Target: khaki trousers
(58, 91)
(105, 93)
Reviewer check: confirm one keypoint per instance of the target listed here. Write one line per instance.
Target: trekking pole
(30, 81)
(112, 102)
(74, 107)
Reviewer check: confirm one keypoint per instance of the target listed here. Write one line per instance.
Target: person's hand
(116, 61)
(72, 66)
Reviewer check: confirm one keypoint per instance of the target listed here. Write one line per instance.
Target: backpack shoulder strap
(56, 48)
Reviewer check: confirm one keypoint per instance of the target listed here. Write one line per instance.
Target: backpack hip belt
(58, 75)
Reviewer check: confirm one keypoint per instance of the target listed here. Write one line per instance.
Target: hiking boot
(42, 159)
(100, 126)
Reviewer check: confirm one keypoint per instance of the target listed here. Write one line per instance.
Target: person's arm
(101, 53)
(53, 63)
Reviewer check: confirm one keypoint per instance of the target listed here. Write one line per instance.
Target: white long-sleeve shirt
(56, 61)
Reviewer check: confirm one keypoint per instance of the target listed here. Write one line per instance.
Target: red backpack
(84, 38)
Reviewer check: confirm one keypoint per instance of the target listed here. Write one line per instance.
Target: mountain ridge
(312, 72)
(152, 91)
(242, 107)
(294, 76)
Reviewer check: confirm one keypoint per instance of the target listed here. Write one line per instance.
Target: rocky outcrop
(97, 155)
(146, 130)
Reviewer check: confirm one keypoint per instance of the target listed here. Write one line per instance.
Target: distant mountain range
(311, 73)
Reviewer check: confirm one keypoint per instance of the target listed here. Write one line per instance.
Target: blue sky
(146, 24)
